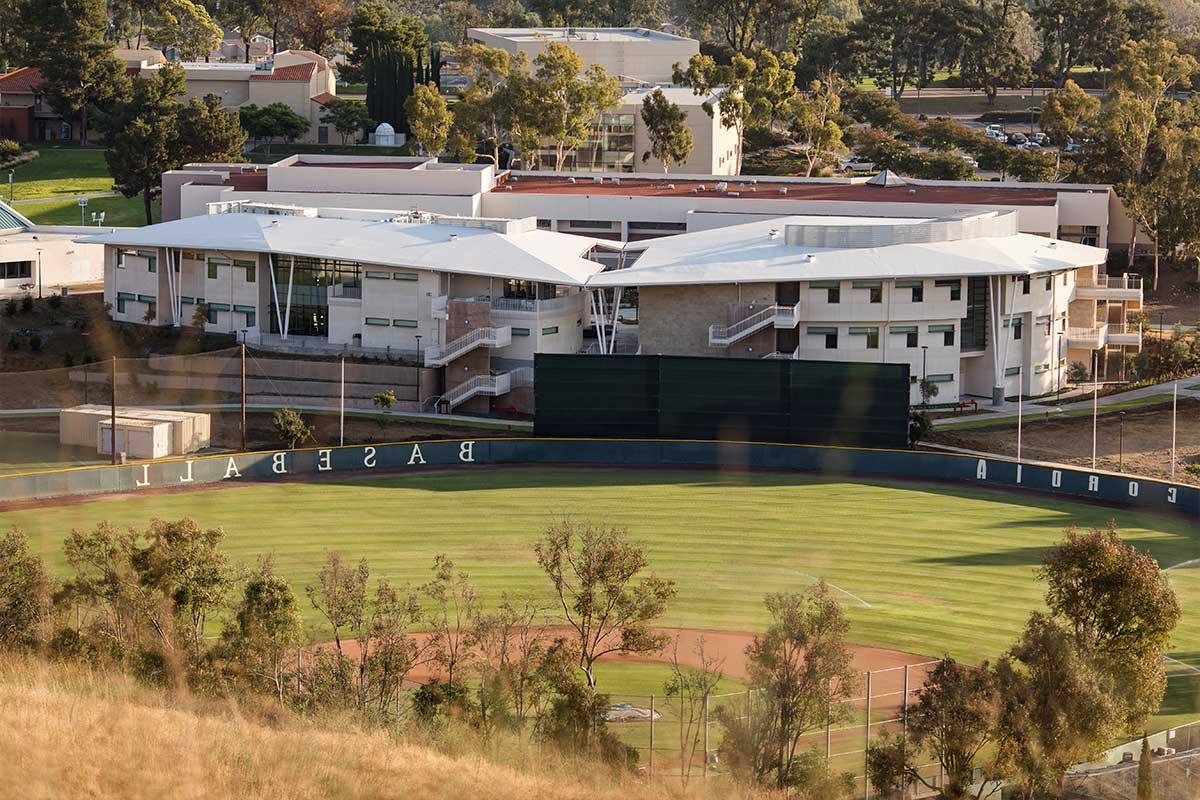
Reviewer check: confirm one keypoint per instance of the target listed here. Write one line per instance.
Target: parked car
(1017, 139)
(1041, 139)
(995, 133)
(1074, 148)
(970, 161)
(1029, 146)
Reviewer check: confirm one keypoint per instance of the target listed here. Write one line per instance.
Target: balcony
(1109, 287)
(1093, 338)
(1124, 334)
(440, 306)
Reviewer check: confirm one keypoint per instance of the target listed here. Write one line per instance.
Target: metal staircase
(489, 385)
(443, 354)
(781, 317)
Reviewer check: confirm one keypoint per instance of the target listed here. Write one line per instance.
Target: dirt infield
(729, 647)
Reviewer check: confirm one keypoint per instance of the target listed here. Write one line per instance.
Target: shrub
(9, 148)
(10, 308)
(55, 301)
(14, 343)
(919, 427)
(1077, 372)
(27, 304)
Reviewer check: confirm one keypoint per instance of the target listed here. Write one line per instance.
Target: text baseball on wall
(404, 457)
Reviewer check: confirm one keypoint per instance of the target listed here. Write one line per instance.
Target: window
(876, 294)
(404, 323)
(219, 306)
(212, 315)
(909, 332)
(835, 295)
(120, 305)
(375, 275)
(1008, 373)
(249, 266)
(212, 270)
(590, 223)
(251, 319)
(404, 276)
(187, 301)
(550, 331)
(1065, 278)
(873, 339)
(955, 287)
(16, 269)
(910, 340)
(152, 310)
(1049, 282)
(1016, 329)
(1025, 285)
(193, 255)
(918, 294)
(146, 298)
(831, 342)
(520, 331)
(946, 377)
(378, 321)
(151, 265)
(947, 332)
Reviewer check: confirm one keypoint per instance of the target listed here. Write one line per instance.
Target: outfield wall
(466, 453)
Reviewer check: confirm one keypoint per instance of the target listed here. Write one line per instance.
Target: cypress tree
(1145, 780)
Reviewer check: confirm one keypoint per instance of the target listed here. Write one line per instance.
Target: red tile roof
(293, 72)
(21, 81)
(323, 97)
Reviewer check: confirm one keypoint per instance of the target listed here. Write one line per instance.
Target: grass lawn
(1038, 411)
(119, 211)
(60, 171)
(925, 569)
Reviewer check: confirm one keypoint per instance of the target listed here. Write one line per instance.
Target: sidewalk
(1031, 407)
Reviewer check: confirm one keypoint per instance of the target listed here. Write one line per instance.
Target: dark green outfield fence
(466, 453)
(738, 399)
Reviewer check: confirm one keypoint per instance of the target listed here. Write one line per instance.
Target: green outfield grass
(926, 569)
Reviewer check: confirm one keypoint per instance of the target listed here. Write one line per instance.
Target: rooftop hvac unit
(722, 186)
(598, 179)
(783, 190)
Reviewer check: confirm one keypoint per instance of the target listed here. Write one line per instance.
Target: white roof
(533, 255)
(682, 96)
(748, 253)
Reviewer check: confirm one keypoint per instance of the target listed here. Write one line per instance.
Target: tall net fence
(674, 738)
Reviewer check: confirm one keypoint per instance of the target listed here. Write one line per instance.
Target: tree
(265, 630)
(78, 67)
(903, 43)
(340, 594)
(668, 131)
(187, 26)
(348, 117)
(274, 120)
(1067, 114)
(1145, 776)
(25, 589)
(291, 427)
(512, 644)
(815, 124)
(955, 720)
(479, 113)
(1076, 32)
(803, 679)
(1119, 603)
(455, 607)
(706, 78)
(1032, 166)
(318, 24)
(429, 118)
(144, 138)
(246, 16)
(692, 688)
(571, 102)
(990, 59)
(207, 132)
(374, 29)
(744, 24)
(608, 608)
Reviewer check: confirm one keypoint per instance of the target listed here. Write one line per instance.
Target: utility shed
(185, 431)
(136, 438)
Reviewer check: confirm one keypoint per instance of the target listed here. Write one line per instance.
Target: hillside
(67, 733)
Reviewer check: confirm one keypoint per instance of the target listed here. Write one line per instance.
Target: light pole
(924, 354)
(1121, 442)
(418, 349)
(39, 252)
(1161, 316)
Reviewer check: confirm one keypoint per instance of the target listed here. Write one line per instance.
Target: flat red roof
(248, 181)
(766, 189)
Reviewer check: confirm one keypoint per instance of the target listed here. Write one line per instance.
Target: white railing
(491, 385)
(788, 356)
(440, 305)
(1092, 338)
(440, 355)
(1123, 282)
(779, 316)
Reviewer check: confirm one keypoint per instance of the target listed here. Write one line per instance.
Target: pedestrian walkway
(1031, 407)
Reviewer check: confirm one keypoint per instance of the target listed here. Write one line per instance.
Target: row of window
(213, 309)
(395, 323)
(909, 332)
(833, 289)
(16, 269)
(393, 276)
(215, 264)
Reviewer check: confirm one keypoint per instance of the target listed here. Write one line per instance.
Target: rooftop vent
(773, 233)
(598, 179)
(722, 186)
(571, 180)
(453, 237)
(616, 181)
(886, 178)
(783, 190)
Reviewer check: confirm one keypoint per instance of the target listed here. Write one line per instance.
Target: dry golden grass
(66, 732)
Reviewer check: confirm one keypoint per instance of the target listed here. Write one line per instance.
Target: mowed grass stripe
(944, 569)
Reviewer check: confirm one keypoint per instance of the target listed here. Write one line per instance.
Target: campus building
(964, 297)
(634, 55)
(40, 260)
